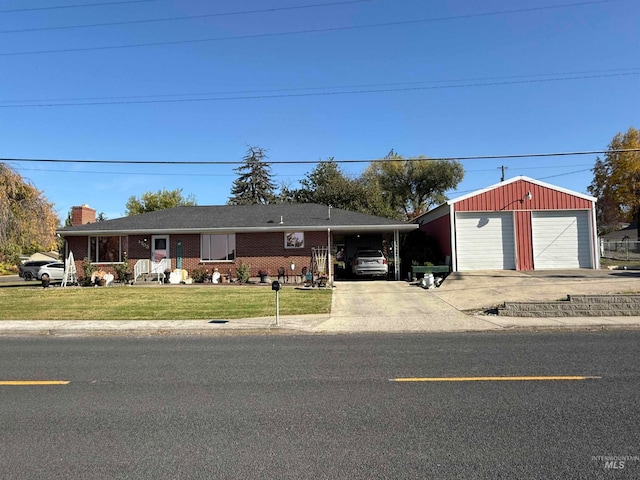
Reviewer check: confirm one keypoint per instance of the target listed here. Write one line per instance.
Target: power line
(565, 174)
(300, 32)
(60, 7)
(300, 162)
(317, 94)
(191, 17)
(330, 87)
(285, 175)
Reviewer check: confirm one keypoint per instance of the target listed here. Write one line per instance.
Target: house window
(107, 249)
(294, 240)
(218, 248)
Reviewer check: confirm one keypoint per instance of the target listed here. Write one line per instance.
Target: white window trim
(216, 234)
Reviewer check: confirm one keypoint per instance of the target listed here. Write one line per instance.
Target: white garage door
(561, 239)
(485, 241)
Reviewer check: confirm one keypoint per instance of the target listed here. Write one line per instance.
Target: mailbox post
(275, 286)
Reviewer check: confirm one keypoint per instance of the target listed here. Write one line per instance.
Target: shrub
(199, 274)
(121, 270)
(242, 272)
(88, 268)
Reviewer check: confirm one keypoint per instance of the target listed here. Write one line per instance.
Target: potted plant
(264, 275)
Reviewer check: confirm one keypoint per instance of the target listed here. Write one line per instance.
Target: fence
(620, 250)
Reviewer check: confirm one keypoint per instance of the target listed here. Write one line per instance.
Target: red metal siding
(524, 241)
(512, 197)
(440, 229)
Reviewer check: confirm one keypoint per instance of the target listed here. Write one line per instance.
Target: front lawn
(189, 302)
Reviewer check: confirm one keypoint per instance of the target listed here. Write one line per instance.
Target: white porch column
(396, 254)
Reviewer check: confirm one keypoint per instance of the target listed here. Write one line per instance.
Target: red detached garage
(518, 224)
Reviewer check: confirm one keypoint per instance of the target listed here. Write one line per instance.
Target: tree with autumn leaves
(28, 221)
(616, 181)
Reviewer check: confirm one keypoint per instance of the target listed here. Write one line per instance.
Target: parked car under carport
(370, 263)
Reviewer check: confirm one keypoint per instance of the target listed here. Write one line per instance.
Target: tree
(412, 186)
(160, 200)
(328, 185)
(28, 221)
(253, 185)
(616, 179)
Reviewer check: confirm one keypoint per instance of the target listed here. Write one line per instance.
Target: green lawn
(188, 302)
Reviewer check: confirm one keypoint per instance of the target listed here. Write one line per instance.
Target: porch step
(576, 306)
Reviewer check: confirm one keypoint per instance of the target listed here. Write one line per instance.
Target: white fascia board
(452, 236)
(526, 179)
(403, 227)
(431, 215)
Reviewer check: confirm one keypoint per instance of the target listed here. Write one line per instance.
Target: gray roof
(240, 218)
(630, 233)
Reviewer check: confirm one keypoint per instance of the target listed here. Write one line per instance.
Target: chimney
(83, 214)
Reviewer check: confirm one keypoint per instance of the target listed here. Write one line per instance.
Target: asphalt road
(321, 407)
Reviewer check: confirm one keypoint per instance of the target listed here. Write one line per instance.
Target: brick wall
(265, 251)
(262, 251)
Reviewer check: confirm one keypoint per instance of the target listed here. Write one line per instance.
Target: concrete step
(576, 306)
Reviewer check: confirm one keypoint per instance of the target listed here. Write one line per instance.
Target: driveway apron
(382, 306)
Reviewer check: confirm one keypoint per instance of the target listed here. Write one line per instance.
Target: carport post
(396, 257)
(329, 272)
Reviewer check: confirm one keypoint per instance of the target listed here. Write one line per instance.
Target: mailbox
(275, 285)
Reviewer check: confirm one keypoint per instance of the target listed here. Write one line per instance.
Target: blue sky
(344, 79)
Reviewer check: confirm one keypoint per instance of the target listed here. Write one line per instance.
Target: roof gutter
(403, 227)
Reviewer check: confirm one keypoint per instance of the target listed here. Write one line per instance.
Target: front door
(159, 248)
(160, 259)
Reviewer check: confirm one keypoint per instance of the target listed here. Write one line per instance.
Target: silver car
(29, 270)
(370, 262)
(52, 272)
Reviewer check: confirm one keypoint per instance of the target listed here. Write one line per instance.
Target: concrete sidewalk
(378, 306)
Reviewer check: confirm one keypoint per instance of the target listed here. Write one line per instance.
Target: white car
(52, 272)
(370, 262)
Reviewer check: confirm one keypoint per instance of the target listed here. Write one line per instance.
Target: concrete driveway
(485, 289)
(380, 306)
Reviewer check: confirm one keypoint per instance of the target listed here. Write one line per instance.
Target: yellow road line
(34, 382)
(493, 379)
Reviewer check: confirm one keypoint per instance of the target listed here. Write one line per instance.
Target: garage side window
(294, 240)
(107, 249)
(218, 248)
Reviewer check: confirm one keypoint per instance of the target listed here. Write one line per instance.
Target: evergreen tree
(254, 184)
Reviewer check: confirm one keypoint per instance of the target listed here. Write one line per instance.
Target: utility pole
(503, 169)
